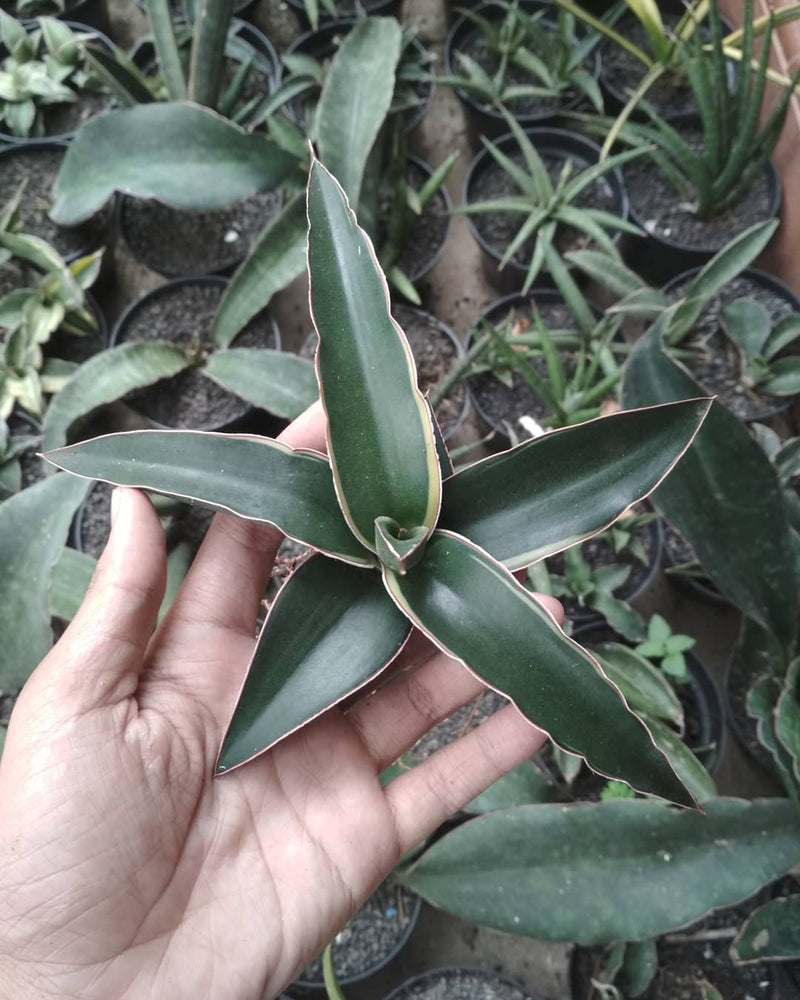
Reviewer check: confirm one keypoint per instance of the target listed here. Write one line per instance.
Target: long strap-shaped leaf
(281, 383)
(106, 377)
(553, 492)
(208, 49)
(277, 258)
(380, 431)
(614, 871)
(475, 610)
(125, 151)
(331, 629)
(169, 58)
(33, 529)
(355, 99)
(256, 478)
(724, 498)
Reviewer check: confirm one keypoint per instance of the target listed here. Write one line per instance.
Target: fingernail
(116, 499)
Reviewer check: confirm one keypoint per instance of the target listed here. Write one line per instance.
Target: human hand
(126, 868)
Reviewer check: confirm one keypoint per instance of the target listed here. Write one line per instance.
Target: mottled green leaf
(770, 932)
(621, 870)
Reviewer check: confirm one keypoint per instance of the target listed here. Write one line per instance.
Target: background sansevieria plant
(404, 541)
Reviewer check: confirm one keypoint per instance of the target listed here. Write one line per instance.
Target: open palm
(126, 869)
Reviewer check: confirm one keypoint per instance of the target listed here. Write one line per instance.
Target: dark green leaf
(554, 491)
(120, 75)
(380, 430)
(638, 968)
(209, 34)
(306, 659)
(166, 45)
(724, 498)
(621, 870)
(256, 478)
(524, 785)
(476, 611)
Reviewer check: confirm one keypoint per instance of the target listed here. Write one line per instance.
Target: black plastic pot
(384, 8)
(772, 405)
(88, 236)
(487, 121)
(302, 986)
(658, 258)
(93, 13)
(705, 693)
(170, 240)
(322, 44)
(559, 144)
(143, 52)
(15, 140)
(494, 314)
(488, 983)
(247, 419)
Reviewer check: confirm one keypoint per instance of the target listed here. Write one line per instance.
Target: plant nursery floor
(457, 291)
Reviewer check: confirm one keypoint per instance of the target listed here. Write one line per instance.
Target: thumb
(98, 660)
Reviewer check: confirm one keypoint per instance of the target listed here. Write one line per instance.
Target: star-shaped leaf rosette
(402, 541)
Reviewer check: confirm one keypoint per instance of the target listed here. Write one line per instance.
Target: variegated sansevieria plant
(401, 540)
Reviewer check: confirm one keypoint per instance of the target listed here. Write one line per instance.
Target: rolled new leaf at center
(380, 431)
